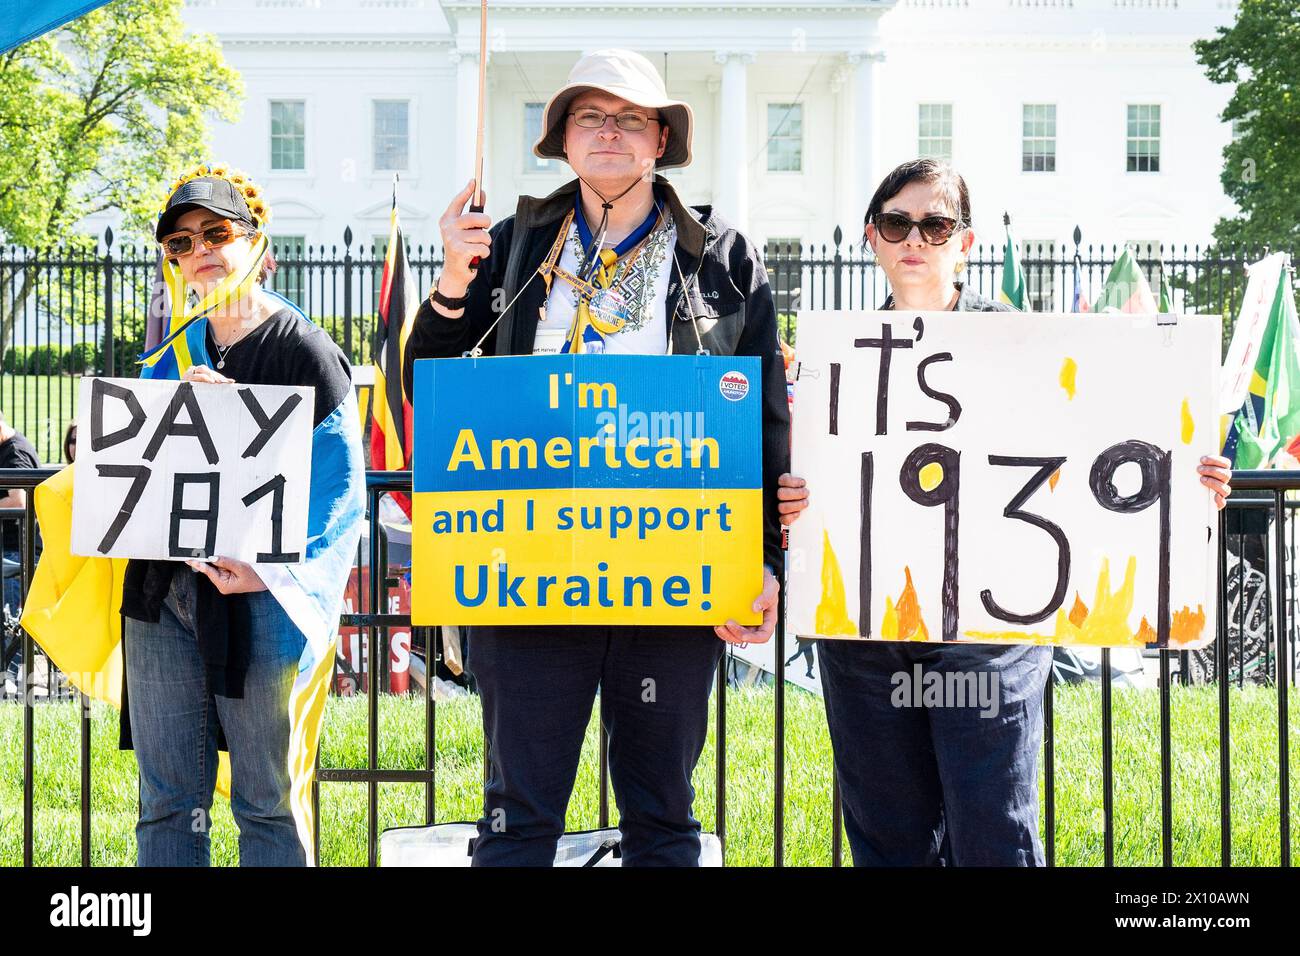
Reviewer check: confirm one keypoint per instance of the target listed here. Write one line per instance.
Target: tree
(1260, 53)
(100, 116)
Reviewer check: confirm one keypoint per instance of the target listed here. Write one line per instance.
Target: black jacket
(726, 307)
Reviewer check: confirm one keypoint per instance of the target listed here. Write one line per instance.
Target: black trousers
(538, 685)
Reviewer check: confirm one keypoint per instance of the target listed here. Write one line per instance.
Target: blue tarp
(23, 20)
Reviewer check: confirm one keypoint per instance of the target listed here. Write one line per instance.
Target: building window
(1038, 259)
(785, 137)
(288, 134)
(1144, 138)
(934, 130)
(392, 134)
(1038, 144)
(532, 132)
(289, 277)
(781, 258)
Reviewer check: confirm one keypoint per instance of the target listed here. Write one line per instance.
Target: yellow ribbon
(230, 289)
(604, 278)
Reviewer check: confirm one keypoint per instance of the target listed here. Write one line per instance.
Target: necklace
(222, 350)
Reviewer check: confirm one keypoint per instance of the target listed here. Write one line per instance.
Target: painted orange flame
(904, 622)
(1187, 625)
(1078, 613)
(1146, 633)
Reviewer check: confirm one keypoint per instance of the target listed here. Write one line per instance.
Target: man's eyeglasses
(895, 227)
(219, 234)
(591, 118)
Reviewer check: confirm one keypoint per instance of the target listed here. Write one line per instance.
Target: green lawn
(749, 779)
(40, 406)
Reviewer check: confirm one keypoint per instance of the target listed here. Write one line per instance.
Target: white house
(1062, 112)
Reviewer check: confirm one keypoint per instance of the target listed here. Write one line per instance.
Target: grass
(1079, 828)
(40, 406)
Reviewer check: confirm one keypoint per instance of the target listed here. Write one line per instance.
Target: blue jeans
(538, 685)
(13, 585)
(937, 785)
(174, 722)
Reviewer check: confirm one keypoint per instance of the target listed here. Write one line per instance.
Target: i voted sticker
(734, 386)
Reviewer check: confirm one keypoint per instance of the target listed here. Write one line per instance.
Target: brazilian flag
(1270, 417)
(1013, 275)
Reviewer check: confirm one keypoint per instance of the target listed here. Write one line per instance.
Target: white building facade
(1092, 113)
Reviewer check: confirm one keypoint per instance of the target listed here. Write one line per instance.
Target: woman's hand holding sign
(209, 376)
(1216, 473)
(230, 576)
(792, 498)
(734, 633)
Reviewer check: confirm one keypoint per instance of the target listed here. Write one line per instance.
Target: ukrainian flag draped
(1270, 417)
(390, 430)
(28, 19)
(72, 609)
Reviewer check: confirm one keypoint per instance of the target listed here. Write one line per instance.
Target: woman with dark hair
(945, 786)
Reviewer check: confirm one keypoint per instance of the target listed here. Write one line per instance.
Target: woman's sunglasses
(214, 236)
(895, 227)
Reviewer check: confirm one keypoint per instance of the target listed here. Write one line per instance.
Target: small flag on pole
(1013, 276)
(390, 430)
(1166, 291)
(1126, 289)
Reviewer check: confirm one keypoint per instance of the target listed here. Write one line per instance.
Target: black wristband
(438, 298)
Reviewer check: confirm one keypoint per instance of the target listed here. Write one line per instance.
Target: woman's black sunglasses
(895, 227)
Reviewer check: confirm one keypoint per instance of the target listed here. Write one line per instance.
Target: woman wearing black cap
(225, 654)
(936, 786)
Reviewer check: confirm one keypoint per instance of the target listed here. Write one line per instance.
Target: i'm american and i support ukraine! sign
(588, 489)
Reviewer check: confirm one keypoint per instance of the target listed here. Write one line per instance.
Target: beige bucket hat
(627, 75)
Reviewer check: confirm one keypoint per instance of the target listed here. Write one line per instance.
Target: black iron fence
(80, 308)
(1256, 641)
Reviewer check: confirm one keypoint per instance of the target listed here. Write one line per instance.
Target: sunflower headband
(258, 207)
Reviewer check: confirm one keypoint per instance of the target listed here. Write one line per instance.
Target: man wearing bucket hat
(612, 261)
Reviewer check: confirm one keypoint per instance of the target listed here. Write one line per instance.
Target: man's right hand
(464, 236)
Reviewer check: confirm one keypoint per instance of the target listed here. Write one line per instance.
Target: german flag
(390, 430)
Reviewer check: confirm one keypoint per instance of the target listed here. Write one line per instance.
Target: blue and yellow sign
(587, 489)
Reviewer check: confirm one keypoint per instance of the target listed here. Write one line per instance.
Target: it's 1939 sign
(1010, 478)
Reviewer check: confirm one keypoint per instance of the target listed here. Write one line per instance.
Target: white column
(864, 132)
(466, 113)
(732, 150)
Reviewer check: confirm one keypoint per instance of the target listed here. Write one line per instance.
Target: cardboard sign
(175, 470)
(1000, 477)
(588, 489)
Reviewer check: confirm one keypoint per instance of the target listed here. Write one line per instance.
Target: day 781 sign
(998, 477)
(176, 470)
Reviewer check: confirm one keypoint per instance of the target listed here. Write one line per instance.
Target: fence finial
(108, 238)
(1006, 218)
(347, 237)
(1078, 235)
